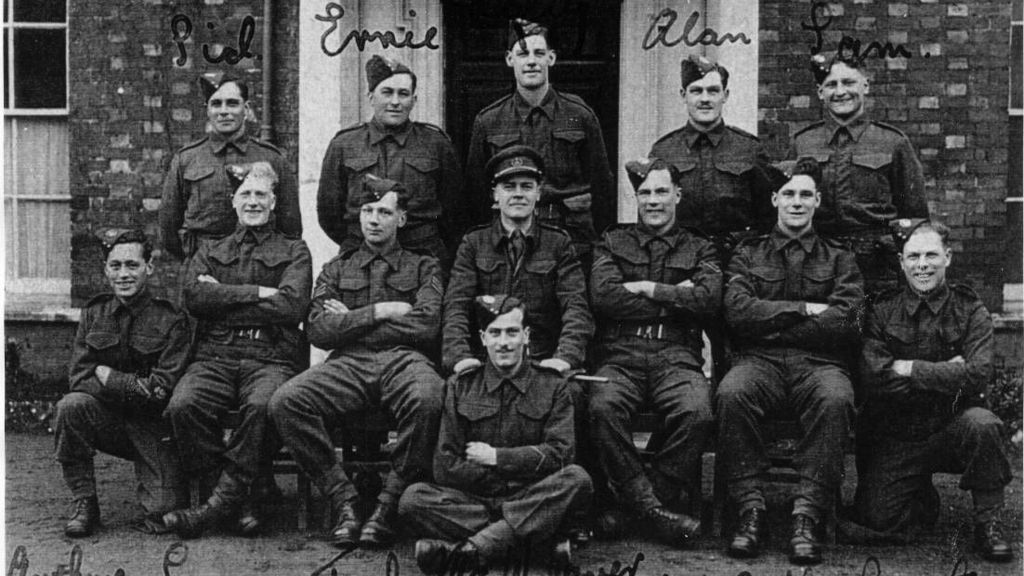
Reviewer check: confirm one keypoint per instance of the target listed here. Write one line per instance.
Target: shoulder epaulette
(618, 227)
(742, 132)
(889, 127)
(99, 298)
(883, 295)
(478, 227)
(193, 144)
(577, 100)
(964, 290)
(344, 255)
(494, 104)
(696, 232)
(267, 145)
(753, 240)
(667, 136)
(554, 228)
(166, 302)
(835, 242)
(810, 126)
(434, 128)
(355, 126)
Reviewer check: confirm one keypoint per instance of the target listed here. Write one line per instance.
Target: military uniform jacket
(725, 177)
(145, 338)
(418, 155)
(629, 252)
(870, 175)
(565, 132)
(527, 418)
(770, 280)
(363, 277)
(197, 191)
(549, 281)
(231, 314)
(929, 330)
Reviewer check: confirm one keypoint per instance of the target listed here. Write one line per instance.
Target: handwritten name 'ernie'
(334, 13)
(174, 557)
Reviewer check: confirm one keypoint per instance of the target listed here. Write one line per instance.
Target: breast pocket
(500, 140)
(481, 416)
(402, 287)
(493, 275)
(420, 178)
(680, 266)
(101, 342)
(354, 292)
(769, 282)
(732, 196)
(568, 146)
(149, 346)
(873, 176)
(538, 282)
(818, 283)
(206, 196)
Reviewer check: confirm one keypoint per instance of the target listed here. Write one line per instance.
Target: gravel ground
(37, 507)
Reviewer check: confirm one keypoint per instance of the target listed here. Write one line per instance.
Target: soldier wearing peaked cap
(377, 308)
(503, 468)
(654, 286)
(392, 146)
(926, 365)
(128, 354)
(197, 191)
(249, 292)
(871, 173)
(724, 175)
(578, 193)
(521, 256)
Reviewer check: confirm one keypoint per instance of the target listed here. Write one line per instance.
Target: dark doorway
(585, 34)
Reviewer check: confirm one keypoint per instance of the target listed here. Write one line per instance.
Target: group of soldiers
(500, 281)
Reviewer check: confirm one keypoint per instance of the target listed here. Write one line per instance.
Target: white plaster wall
(333, 91)
(650, 104)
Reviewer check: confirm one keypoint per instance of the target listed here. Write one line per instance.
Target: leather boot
(192, 522)
(348, 524)
(805, 545)
(746, 541)
(434, 556)
(990, 543)
(85, 519)
(379, 528)
(675, 529)
(249, 522)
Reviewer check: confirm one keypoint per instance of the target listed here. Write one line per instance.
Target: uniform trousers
(531, 514)
(818, 392)
(211, 388)
(84, 425)
(894, 487)
(402, 381)
(648, 372)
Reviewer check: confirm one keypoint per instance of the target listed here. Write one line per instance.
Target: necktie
(657, 248)
(844, 169)
(517, 248)
(378, 272)
(794, 270)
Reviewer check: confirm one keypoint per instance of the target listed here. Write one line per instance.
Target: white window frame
(31, 292)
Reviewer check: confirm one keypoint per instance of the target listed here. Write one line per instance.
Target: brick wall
(949, 96)
(132, 105)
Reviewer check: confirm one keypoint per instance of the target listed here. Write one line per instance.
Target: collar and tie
(516, 249)
(794, 254)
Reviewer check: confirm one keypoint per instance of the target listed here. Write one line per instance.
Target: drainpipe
(266, 127)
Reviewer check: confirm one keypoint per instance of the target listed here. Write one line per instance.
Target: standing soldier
(418, 155)
(130, 350)
(197, 194)
(927, 362)
(870, 172)
(725, 178)
(654, 285)
(520, 256)
(249, 292)
(503, 463)
(790, 298)
(578, 193)
(377, 306)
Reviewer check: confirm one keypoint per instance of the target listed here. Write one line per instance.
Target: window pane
(1016, 66)
(41, 156)
(44, 239)
(40, 11)
(9, 231)
(39, 69)
(7, 81)
(9, 155)
(1018, 10)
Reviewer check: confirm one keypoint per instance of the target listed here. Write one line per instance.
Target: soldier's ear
(508, 58)
(526, 335)
(402, 217)
(552, 56)
(949, 256)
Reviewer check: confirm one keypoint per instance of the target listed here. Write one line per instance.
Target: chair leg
(305, 505)
(720, 498)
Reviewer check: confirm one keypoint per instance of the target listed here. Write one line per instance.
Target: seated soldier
(789, 302)
(518, 255)
(249, 292)
(503, 465)
(130, 349)
(926, 365)
(377, 307)
(653, 285)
